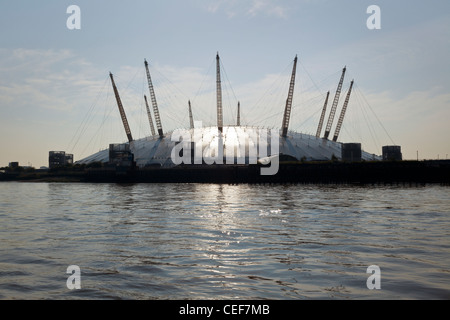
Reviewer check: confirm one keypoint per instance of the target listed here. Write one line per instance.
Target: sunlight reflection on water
(201, 241)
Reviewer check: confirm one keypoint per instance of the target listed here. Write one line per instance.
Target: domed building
(228, 144)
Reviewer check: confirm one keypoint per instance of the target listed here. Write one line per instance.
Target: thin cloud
(251, 8)
(269, 8)
(44, 79)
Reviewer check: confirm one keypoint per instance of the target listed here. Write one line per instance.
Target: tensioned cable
(83, 125)
(105, 116)
(203, 82)
(371, 109)
(252, 108)
(366, 117)
(170, 96)
(232, 111)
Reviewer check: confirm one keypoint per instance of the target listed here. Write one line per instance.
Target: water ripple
(199, 241)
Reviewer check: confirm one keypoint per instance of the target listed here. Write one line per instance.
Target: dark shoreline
(376, 172)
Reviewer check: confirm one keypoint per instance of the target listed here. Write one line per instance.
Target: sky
(55, 91)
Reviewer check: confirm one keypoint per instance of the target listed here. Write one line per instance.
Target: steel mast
(334, 106)
(191, 118)
(155, 105)
(322, 116)
(121, 110)
(238, 122)
(152, 127)
(287, 109)
(219, 95)
(341, 117)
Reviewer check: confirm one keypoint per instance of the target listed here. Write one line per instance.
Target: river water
(208, 241)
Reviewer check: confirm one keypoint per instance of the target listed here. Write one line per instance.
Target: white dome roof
(237, 140)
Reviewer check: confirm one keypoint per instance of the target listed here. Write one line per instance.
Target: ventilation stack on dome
(351, 152)
(392, 153)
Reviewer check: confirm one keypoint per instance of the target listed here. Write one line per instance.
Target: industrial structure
(13, 165)
(234, 140)
(351, 152)
(392, 153)
(59, 159)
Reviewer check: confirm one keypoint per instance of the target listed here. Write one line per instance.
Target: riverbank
(376, 172)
